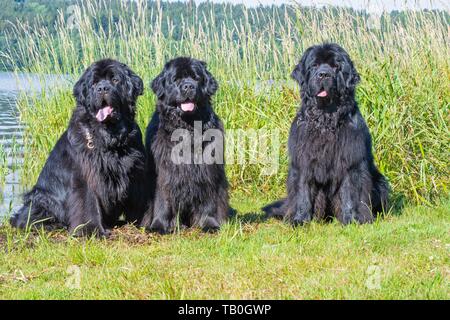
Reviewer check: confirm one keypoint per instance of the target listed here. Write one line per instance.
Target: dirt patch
(132, 235)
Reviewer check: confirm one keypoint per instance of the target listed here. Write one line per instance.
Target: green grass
(403, 95)
(3, 165)
(397, 257)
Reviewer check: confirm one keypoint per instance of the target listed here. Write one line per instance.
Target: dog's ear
(134, 87)
(211, 84)
(158, 84)
(299, 72)
(136, 83)
(348, 77)
(81, 87)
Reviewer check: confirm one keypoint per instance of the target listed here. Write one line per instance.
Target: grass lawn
(398, 257)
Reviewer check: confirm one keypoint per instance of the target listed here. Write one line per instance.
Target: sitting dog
(95, 172)
(331, 171)
(188, 188)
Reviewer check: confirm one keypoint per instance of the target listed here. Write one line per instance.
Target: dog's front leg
(300, 203)
(209, 215)
(85, 214)
(163, 217)
(354, 199)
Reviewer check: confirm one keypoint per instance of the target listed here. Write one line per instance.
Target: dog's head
(326, 73)
(184, 85)
(108, 90)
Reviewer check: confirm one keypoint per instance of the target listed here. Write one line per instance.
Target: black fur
(197, 194)
(87, 189)
(332, 171)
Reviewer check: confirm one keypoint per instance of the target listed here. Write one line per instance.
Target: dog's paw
(106, 233)
(355, 217)
(275, 210)
(89, 230)
(210, 224)
(159, 226)
(301, 219)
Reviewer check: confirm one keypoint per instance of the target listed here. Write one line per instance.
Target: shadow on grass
(398, 201)
(251, 217)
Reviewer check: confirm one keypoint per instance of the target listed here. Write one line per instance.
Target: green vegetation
(404, 97)
(182, 15)
(399, 257)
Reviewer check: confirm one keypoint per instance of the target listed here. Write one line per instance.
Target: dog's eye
(315, 65)
(115, 80)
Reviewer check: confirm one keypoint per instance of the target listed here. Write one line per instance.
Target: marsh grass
(404, 92)
(3, 167)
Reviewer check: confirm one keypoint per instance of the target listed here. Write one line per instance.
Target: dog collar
(89, 139)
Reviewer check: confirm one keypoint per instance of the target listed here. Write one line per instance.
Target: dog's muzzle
(188, 88)
(324, 78)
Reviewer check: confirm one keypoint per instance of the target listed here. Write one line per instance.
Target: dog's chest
(319, 154)
(186, 147)
(109, 172)
(181, 164)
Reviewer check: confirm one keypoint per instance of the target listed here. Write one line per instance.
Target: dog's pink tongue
(322, 94)
(188, 106)
(103, 113)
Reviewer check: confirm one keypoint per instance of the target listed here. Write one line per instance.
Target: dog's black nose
(188, 85)
(103, 87)
(324, 71)
(324, 74)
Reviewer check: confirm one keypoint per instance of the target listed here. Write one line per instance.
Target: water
(11, 131)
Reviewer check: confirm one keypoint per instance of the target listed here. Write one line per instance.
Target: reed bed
(404, 94)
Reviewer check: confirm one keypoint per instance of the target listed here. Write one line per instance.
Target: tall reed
(404, 66)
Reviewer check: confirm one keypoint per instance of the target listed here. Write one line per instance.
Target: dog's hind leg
(38, 210)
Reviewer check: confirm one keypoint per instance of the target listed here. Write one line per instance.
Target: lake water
(11, 131)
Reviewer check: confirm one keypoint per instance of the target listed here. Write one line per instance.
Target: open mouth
(323, 93)
(105, 112)
(187, 106)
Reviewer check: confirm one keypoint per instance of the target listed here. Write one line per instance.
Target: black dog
(194, 191)
(332, 171)
(95, 171)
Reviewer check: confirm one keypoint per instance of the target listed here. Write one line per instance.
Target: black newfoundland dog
(94, 174)
(192, 192)
(332, 171)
